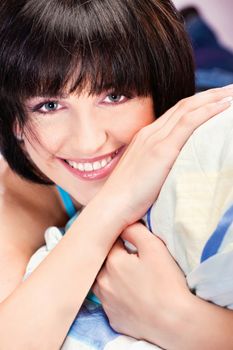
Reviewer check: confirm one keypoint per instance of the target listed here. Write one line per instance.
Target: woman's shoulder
(24, 216)
(27, 207)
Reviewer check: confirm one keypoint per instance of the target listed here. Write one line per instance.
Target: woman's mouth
(94, 169)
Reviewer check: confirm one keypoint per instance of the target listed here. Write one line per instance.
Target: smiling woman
(83, 134)
(88, 45)
(89, 97)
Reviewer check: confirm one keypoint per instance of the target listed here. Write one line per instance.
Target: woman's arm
(50, 298)
(48, 301)
(145, 296)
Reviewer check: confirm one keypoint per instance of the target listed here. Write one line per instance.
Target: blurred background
(210, 27)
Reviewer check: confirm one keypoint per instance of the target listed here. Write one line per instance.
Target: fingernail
(226, 99)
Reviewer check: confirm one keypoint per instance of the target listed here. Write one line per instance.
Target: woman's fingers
(202, 98)
(143, 168)
(189, 108)
(115, 256)
(135, 235)
(137, 290)
(189, 104)
(186, 125)
(176, 134)
(205, 104)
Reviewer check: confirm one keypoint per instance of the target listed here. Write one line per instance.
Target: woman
(81, 84)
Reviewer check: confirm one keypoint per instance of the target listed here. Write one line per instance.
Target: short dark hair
(50, 45)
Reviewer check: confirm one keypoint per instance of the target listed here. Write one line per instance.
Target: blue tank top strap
(67, 202)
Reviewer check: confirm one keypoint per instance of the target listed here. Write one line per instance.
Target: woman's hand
(142, 294)
(145, 296)
(136, 181)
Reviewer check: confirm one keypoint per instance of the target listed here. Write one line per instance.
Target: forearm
(47, 302)
(196, 324)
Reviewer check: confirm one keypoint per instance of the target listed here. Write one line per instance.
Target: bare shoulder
(24, 216)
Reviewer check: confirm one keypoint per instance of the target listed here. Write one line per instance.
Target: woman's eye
(45, 106)
(50, 106)
(114, 98)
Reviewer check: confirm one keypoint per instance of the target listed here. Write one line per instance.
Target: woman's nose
(88, 137)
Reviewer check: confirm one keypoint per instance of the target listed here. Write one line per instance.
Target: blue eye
(50, 106)
(114, 98)
(46, 106)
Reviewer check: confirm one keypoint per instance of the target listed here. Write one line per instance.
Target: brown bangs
(71, 53)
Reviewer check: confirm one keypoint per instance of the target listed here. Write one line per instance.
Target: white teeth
(96, 165)
(80, 167)
(75, 165)
(72, 164)
(90, 166)
(103, 163)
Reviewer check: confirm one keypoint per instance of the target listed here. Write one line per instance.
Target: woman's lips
(95, 168)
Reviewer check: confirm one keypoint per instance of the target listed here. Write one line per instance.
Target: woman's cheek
(47, 140)
(133, 125)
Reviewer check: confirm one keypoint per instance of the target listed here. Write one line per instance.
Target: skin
(21, 209)
(84, 127)
(164, 309)
(151, 148)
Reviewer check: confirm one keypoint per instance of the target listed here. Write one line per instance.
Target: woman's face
(78, 140)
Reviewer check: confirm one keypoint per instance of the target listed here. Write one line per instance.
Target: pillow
(193, 214)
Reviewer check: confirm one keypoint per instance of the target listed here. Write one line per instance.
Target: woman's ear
(18, 132)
